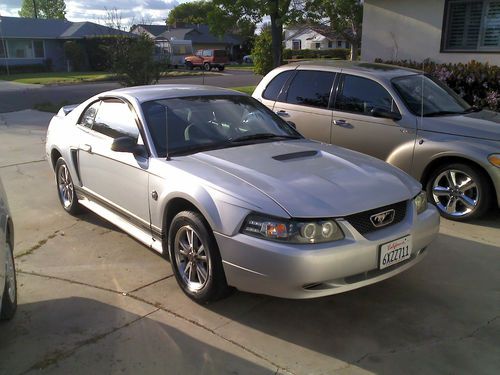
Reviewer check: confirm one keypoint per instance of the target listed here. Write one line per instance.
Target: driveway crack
(54, 357)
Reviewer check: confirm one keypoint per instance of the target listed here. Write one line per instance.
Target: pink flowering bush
(478, 83)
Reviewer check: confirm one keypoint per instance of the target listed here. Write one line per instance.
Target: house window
(472, 25)
(3, 53)
(296, 44)
(330, 44)
(347, 45)
(25, 49)
(318, 45)
(339, 43)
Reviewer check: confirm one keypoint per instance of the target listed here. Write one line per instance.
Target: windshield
(438, 99)
(204, 123)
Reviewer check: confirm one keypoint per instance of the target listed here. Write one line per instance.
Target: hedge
(339, 53)
(478, 83)
(31, 68)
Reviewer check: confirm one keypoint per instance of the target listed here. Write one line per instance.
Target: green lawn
(239, 67)
(51, 78)
(245, 89)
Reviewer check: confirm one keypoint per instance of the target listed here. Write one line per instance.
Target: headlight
(292, 231)
(420, 202)
(494, 159)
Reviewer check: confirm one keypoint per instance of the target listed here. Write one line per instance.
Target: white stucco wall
(307, 41)
(409, 30)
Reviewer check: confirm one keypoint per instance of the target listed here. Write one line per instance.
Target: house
(199, 35)
(445, 31)
(31, 41)
(313, 37)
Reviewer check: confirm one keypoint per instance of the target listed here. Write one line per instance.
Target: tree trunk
(276, 34)
(354, 50)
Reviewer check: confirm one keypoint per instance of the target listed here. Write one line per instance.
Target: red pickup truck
(207, 59)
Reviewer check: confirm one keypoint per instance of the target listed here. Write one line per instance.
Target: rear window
(274, 87)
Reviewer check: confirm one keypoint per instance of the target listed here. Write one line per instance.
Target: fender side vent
(295, 155)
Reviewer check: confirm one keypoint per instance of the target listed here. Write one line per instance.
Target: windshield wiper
(251, 137)
(441, 113)
(472, 109)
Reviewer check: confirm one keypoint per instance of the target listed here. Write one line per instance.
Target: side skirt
(119, 219)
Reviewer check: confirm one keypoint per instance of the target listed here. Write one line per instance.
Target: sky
(132, 11)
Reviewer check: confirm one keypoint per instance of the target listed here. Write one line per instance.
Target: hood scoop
(295, 155)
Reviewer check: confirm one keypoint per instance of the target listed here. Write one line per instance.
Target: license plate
(395, 252)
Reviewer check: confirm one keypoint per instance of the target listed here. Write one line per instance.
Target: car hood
(311, 179)
(483, 124)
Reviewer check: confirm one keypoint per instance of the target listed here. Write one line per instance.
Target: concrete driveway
(92, 300)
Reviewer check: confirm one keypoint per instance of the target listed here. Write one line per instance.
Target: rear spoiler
(66, 109)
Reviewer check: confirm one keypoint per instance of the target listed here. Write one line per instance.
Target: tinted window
(115, 119)
(88, 116)
(311, 88)
(274, 87)
(361, 95)
(220, 53)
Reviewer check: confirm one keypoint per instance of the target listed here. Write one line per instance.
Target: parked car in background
(8, 285)
(234, 196)
(398, 115)
(247, 59)
(207, 59)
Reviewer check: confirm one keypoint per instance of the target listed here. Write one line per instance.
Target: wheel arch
(451, 159)
(55, 154)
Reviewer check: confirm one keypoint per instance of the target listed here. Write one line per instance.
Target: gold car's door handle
(282, 113)
(341, 122)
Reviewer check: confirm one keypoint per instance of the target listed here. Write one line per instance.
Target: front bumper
(308, 271)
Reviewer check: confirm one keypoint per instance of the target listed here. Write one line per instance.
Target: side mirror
(126, 144)
(379, 112)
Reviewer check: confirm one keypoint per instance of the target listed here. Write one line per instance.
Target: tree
(262, 56)
(344, 17)
(229, 12)
(49, 9)
(190, 13)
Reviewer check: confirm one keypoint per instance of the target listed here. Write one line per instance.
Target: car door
(306, 103)
(116, 180)
(3, 237)
(355, 126)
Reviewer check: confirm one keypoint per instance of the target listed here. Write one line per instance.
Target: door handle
(341, 122)
(86, 148)
(282, 113)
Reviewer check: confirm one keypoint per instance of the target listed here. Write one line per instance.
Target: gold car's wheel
(195, 258)
(459, 192)
(9, 296)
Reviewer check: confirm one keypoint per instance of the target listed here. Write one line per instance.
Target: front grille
(362, 223)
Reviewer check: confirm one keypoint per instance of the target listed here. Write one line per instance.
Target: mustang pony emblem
(382, 218)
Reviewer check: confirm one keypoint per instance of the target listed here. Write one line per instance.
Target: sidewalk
(7, 86)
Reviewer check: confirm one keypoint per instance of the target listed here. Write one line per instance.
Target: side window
(361, 95)
(87, 119)
(274, 87)
(115, 119)
(207, 53)
(199, 52)
(311, 88)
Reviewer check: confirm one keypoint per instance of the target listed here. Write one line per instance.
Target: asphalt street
(94, 301)
(15, 97)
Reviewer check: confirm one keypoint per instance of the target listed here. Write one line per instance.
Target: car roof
(155, 92)
(385, 70)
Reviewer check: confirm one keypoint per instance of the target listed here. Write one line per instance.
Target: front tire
(189, 66)
(195, 258)
(459, 191)
(9, 297)
(207, 67)
(66, 188)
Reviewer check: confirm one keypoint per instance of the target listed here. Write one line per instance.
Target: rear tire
(195, 258)
(66, 188)
(459, 191)
(9, 297)
(220, 68)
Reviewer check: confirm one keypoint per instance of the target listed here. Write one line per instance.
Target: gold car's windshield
(192, 124)
(428, 97)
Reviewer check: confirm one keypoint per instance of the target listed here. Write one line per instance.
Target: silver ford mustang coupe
(234, 196)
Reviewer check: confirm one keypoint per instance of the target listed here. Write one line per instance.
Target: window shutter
(491, 36)
(464, 24)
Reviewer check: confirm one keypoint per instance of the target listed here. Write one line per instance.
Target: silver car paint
(226, 185)
(410, 143)
(5, 227)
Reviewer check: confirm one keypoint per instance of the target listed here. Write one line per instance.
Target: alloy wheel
(191, 258)
(65, 186)
(10, 274)
(455, 193)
